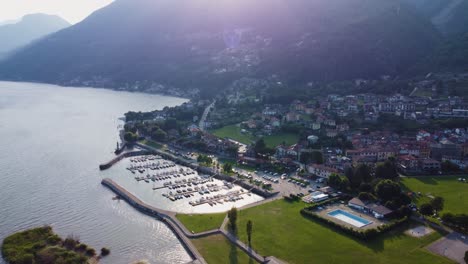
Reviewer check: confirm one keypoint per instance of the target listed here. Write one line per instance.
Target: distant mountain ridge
(449, 16)
(14, 35)
(207, 44)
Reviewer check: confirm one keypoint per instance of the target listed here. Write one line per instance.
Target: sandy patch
(419, 231)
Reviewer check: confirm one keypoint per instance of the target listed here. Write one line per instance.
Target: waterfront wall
(161, 215)
(109, 164)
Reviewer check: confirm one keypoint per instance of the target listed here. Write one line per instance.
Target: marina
(170, 186)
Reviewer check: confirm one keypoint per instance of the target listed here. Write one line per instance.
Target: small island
(41, 245)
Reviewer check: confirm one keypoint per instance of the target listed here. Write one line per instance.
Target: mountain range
(17, 34)
(207, 44)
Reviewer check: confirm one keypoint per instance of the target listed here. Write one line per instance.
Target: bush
(81, 247)
(25, 259)
(426, 209)
(105, 251)
(71, 242)
(90, 252)
(54, 240)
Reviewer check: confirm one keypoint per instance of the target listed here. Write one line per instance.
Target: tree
(365, 196)
(355, 179)
(364, 172)
(260, 146)
(466, 257)
(426, 209)
(365, 187)
(448, 166)
(232, 216)
(437, 203)
(386, 190)
(130, 137)
(159, 135)
(334, 180)
(386, 170)
(249, 232)
(314, 156)
(227, 167)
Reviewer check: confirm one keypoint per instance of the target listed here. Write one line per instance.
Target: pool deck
(333, 207)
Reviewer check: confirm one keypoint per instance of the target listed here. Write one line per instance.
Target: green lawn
(201, 222)
(454, 192)
(234, 132)
(217, 249)
(280, 230)
(152, 144)
(277, 139)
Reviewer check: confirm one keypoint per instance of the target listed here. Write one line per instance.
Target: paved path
(201, 124)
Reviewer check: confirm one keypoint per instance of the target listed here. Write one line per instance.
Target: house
(445, 148)
(318, 196)
(408, 163)
(378, 211)
(321, 170)
(292, 117)
(332, 133)
(316, 126)
(429, 165)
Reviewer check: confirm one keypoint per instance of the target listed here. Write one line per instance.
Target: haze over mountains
(17, 34)
(449, 16)
(207, 44)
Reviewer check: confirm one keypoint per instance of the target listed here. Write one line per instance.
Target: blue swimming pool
(349, 218)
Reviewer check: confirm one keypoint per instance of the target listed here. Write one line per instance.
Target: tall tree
(249, 232)
(232, 216)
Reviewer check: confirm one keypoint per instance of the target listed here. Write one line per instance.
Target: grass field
(201, 222)
(217, 249)
(152, 144)
(280, 230)
(454, 192)
(275, 140)
(233, 132)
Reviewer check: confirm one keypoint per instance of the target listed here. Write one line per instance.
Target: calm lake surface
(52, 140)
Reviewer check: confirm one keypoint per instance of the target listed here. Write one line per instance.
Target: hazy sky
(71, 10)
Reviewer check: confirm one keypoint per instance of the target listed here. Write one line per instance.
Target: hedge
(365, 234)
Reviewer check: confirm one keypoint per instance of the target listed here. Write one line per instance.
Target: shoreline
(93, 87)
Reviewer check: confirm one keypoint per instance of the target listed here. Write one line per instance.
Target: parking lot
(285, 184)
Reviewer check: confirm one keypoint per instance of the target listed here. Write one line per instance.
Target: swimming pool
(349, 218)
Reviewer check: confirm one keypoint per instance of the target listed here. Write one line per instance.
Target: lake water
(52, 140)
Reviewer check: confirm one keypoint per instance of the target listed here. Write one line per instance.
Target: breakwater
(164, 216)
(110, 163)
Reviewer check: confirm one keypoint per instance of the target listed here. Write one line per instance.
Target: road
(201, 125)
